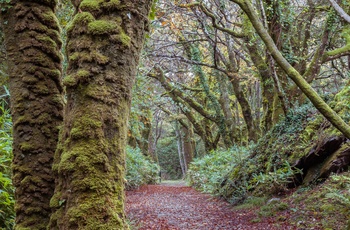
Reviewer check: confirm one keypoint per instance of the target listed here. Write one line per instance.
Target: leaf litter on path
(179, 207)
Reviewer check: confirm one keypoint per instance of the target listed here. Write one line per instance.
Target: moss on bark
(34, 60)
(89, 162)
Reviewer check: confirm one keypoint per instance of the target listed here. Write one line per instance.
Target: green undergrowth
(262, 177)
(206, 173)
(6, 188)
(322, 206)
(140, 169)
(268, 166)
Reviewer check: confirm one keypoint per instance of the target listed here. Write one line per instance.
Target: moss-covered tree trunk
(34, 65)
(104, 42)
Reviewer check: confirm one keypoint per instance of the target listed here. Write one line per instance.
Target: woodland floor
(175, 206)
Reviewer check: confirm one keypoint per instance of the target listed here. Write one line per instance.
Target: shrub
(206, 173)
(7, 213)
(140, 169)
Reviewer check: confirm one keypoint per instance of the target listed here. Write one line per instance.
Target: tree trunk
(154, 136)
(180, 149)
(104, 42)
(243, 102)
(34, 65)
(144, 135)
(226, 108)
(188, 147)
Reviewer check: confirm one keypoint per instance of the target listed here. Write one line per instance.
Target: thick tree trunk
(104, 42)
(34, 66)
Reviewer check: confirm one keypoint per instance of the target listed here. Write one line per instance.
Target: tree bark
(34, 65)
(104, 42)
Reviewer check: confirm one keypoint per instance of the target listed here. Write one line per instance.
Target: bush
(268, 169)
(140, 169)
(7, 213)
(206, 173)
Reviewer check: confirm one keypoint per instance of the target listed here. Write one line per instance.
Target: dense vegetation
(264, 176)
(140, 169)
(6, 188)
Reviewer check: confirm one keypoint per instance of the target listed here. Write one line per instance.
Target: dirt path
(178, 207)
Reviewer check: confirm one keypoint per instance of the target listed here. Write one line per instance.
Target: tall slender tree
(104, 42)
(33, 44)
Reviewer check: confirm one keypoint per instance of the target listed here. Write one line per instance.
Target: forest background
(215, 100)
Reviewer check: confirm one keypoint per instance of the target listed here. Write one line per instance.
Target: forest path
(176, 206)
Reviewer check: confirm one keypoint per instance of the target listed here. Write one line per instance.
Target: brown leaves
(180, 207)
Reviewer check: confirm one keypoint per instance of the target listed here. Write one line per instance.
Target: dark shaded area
(325, 157)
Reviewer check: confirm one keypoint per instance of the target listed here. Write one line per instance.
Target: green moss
(43, 118)
(80, 20)
(49, 18)
(31, 179)
(73, 79)
(53, 73)
(96, 207)
(80, 57)
(123, 38)
(100, 27)
(99, 93)
(69, 80)
(55, 200)
(83, 74)
(100, 58)
(26, 146)
(310, 130)
(112, 4)
(346, 35)
(47, 41)
(339, 51)
(90, 5)
(74, 57)
(85, 127)
(97, 5)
